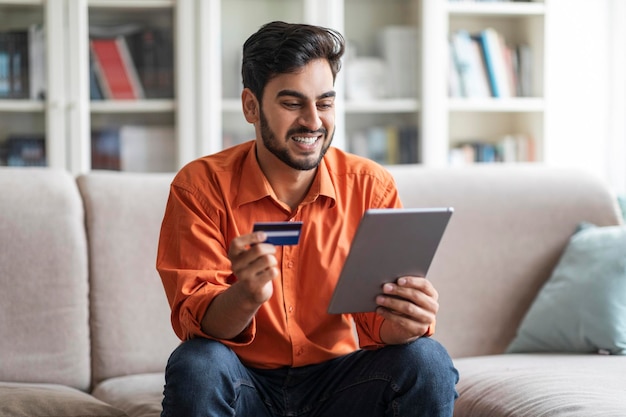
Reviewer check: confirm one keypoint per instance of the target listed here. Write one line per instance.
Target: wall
(584, 130)
(616, 157)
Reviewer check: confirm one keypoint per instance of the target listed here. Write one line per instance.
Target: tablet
(388, 244)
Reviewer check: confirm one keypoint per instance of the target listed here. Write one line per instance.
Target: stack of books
(22, 66)
(484, 65)
(131, 63)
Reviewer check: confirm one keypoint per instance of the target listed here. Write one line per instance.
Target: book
(114, 69)
(37, 61)
(95, 91)
(524, 76)
(18, 43)
(387, 144)
(469, 63)
(377, 146)
(24, 150)
(454, 77)
(152, 52)
(5, 79)
(492, 45)
(462, 154)
(14, 64)
(105, 149)
(510, 148)
(409, 144)
(511, 67)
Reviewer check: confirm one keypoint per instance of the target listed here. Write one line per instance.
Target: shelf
(383, 106)
(17, 105)
(144, 4)
(22, 2)
(497, 105)
(132, 106)
(496, 9)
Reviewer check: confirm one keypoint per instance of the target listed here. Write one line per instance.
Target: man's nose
(310, 118)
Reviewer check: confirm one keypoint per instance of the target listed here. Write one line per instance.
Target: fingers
(411, 298)
(242, 243)
(405, 287)
(246, 249)
(409, 307)
(253, 263)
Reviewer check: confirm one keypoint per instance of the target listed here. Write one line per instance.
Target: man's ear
(250, 106)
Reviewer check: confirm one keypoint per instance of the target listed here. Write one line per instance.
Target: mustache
(302, 130)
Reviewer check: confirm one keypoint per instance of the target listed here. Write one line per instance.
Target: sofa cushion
(530, 385)
(130, 316)
(582, 307)
(34, 400)
(138, 395)
(43, 277)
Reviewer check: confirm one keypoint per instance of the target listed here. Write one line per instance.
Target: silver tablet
(388, 244)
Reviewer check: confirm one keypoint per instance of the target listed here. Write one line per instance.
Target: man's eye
(325, 105)
(291, 105)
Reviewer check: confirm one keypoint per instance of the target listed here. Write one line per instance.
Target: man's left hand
(409, 307)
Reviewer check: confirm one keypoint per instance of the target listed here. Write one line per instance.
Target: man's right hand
(254, 265)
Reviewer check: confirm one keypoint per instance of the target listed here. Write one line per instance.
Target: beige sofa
(84, 322)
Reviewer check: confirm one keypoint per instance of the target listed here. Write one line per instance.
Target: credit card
(280, 233)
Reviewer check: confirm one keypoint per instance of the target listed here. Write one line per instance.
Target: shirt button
(300, 351)
(291, 309)
(290, 264)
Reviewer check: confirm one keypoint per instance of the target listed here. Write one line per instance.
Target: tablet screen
(388, 244)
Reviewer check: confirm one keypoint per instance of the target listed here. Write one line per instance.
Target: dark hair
(279, 48)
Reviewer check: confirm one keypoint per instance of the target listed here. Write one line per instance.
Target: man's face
(297, 116)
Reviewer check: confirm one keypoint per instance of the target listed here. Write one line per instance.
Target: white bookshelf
(67, 115)
(452, 121)
(205, 112)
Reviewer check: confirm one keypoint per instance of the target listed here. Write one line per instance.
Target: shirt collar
(323, 184)
(254, 186)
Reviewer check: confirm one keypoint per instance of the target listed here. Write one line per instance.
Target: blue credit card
(280, 233)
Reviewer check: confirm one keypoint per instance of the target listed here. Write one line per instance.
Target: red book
(115, 69)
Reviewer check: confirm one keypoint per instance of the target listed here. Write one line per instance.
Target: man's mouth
(306, 140)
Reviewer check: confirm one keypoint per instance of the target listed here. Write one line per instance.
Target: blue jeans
(205, 378)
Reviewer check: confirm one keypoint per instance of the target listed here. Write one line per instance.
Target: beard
(272, 144)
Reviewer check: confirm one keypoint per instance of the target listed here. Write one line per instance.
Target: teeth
(307, 141)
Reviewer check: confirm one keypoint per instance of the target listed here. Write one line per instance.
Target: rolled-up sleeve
(368, 329)
(191, 260)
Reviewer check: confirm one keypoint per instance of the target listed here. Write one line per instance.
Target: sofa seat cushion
(138, 395)
(531, 385)
(34, 400)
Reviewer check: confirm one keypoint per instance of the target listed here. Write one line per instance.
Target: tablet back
(388, 244)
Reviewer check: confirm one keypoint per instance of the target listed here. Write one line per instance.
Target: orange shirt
(219, 197)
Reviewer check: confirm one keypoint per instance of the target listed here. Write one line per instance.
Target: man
(257, 338)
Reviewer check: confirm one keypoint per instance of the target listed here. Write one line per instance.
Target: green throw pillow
(582, 307)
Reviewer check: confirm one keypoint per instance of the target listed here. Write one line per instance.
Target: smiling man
(257, 339)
